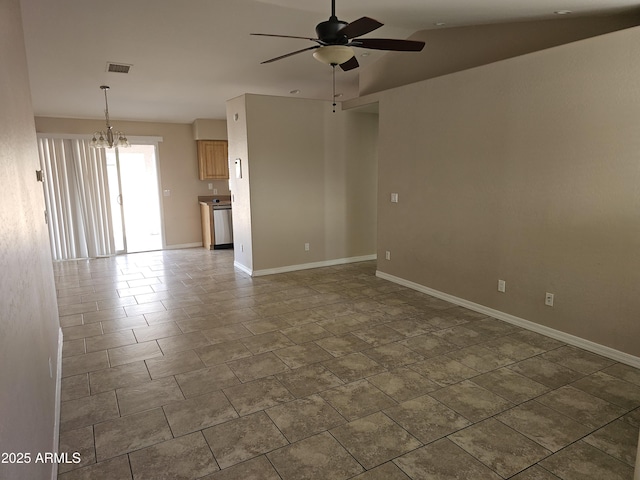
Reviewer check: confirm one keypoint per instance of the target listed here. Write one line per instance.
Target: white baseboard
(306, 266)
(588, 345)
(243, 268)
(56, 424)
(183, 245)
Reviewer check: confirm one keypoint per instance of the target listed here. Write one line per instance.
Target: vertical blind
(76, 191)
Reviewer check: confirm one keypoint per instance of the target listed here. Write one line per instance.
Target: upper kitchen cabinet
(213, 159)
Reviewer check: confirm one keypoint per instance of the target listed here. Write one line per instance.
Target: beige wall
(178, 170)
(209, 129)
(241, 192)
(525, 170)
(311, 177)
(452, 49)
(28, 311)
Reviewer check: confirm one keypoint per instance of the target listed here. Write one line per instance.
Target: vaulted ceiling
(188, 57)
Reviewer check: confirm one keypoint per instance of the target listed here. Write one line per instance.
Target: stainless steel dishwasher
(222, 226)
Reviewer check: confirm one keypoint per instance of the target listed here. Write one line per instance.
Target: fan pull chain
(333, 65)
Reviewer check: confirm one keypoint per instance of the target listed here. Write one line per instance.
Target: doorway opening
(135, 198)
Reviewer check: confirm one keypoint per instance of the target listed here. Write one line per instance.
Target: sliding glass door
(135, 198)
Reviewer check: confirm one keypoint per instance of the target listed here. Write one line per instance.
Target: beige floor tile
(577, 359)
(479, 358)
(196, 413)
(535, 473)
(130, 433)
(339, 346)
(581, 461)
(325, 327)
(304, 417)
(501, 448)
(624, 372)
(619, 439)
(73, 347)
(545, 426)
(266, 342)
(182, 458)
(243, 438)
(74, 387)
(387, 471)
(426, 418)
(258, 468)
(443, 370)
(254, 396)
(429, 345)
(357, 399)
(118, 377)
(298, 356)
(315, 458)
(113, 468)
(125, 323)
(306, 333)
(180, 343)
(88, 362)
(173, 364)
(353, 367)
(81, 331)
(162, 330)
(510, 385)
(133, 353)
(257, 366)
(581, 406)
(403, 384)
(77, 442)
(110, 340)
(206, 380)
(308, 380)
(104, 315)
(375, 439)
(471, 401)
(461, 336)
(148, 395)
(548, 373)
(444, 460)
(89, 410)
(222, 352)
(378, 335)
(393, 355)
(616, 391)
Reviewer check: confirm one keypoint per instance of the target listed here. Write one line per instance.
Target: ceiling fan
(336, 37)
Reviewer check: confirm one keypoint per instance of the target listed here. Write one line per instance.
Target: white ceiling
(190, 56)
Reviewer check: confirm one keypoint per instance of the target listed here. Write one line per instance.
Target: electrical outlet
(387, 255)
(502, 286)
(306, 247)
(215, 191)
(548, 299)
(210, 186)
(394, 198)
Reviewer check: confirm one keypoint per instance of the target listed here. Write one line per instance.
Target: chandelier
(108, 138)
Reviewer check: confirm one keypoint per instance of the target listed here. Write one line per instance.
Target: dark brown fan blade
(283, 36)
(360, 27)
(290, 54)
(350, 64)
(388, 44)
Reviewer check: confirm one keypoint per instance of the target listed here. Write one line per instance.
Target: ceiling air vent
(118, 67)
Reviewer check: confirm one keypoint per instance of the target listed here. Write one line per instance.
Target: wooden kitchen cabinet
(213, 162)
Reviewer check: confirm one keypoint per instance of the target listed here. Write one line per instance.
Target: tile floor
(177, 366)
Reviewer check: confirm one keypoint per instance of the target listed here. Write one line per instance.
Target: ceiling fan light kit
(334, 54)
